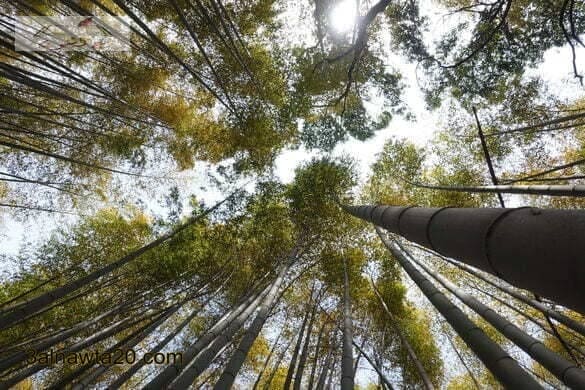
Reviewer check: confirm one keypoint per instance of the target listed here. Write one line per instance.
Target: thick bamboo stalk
(516, 245)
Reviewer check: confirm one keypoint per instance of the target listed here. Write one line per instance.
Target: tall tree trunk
(276, 365)
(347, 355)
(504, 368)
(574, 190)
(234, 365)
(316, 357)
(376, 365)
(565, 371)
(170, 372)
(267, 361)
(305, 349)
(514, 244)
(563, 319)
(293, 360)
(325, 370)
(35, 304)
(417, 363)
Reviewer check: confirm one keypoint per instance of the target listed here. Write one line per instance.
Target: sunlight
(343, 16)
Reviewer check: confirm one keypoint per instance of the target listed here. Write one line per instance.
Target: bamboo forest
(292, 194)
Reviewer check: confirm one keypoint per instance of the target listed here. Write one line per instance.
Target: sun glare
(343, 16)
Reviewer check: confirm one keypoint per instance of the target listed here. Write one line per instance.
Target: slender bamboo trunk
(295, 353)
(358, 358)
(563, 319)
(464, 363)
(78, 346)
(163, 379)
(304, 352)
(565, 371)
(279, 360)
(63, 382)
(347, 356)
(129, 344)
(316, 357)
(574, 190)
(208, 353)
(375, 365)
(325, 370)
(235, 363)
(60, 337)
(35, 304)
(329, 386)
(555, 121)
(504, 368)
(417, 363)
(547, 171)
(267, 361)
(530, 318)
